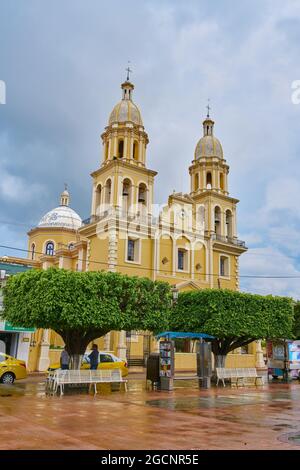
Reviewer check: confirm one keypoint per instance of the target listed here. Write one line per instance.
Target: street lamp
(174, 291)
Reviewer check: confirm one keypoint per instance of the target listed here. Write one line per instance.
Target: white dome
(62, 216)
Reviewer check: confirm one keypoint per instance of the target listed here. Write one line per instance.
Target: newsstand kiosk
(166, 365)
(167, 359)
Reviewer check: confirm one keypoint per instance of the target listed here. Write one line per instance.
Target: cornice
(228, 248)
(210, 194)
(211, 163)
(51, 229)
(113, 164)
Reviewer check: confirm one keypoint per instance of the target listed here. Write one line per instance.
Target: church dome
(62, 216)
(208, 145)
(126, 110)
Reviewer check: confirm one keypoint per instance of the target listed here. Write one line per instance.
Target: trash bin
(152, 369)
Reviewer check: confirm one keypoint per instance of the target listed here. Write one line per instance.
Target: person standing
(94, 357)
(64, 360)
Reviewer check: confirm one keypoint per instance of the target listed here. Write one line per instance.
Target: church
(191, 242)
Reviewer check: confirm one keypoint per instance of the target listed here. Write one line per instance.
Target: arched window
(33, 251)
(135, 151)
(222, 181)
(196, 181)
(142, 194)
(126, 194)
(218, 220)
(208, 180)
(98, 198)
(108, 192)
(106, 150)
(121, 148)
(50, 249)
(228, 218)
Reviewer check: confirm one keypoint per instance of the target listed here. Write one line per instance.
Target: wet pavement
(266, 417)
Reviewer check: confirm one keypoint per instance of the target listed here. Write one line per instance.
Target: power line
(169, 271)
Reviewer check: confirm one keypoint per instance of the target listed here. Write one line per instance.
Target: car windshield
(116, 359)
(106, 358)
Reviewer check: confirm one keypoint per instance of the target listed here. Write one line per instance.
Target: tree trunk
(76, 342)
(75, 361)
(219, 360)
(221, 347)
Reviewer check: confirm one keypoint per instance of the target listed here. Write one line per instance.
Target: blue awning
(183, 334)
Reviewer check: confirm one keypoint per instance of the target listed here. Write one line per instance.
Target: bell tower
(125, 138)
(123, 182)
(209, 170)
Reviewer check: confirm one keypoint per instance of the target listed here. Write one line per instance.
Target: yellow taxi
(106, 361)
(11, 369)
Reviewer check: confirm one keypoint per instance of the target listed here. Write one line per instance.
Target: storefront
(14, 340)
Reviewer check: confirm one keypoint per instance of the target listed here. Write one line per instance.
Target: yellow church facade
(190, 242)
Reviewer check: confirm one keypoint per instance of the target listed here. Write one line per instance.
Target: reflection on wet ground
(294, 438)
(184, 404)
(186, 418)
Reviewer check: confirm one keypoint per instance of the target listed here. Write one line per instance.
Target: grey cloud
(63, 62)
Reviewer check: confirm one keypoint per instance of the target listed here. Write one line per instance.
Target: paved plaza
(265, 417)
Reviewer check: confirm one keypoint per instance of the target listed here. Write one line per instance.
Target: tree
(296, 328)
(83, 306)
(234, 318)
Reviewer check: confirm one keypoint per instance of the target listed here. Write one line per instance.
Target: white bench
(238, 376)
(60, 378)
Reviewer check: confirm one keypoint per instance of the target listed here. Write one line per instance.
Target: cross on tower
(208, 108)
(128, 70)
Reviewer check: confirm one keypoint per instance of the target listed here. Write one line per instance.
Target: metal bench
(60, 378)
(239, 376)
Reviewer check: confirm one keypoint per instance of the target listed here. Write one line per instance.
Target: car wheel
(8, 378)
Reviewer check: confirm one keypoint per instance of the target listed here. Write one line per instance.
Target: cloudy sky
(63, 62)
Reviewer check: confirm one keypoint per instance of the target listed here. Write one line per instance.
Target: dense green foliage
(234, 318)
(296, 328)
(82, 306)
